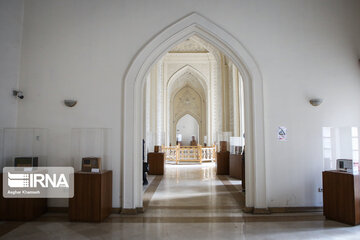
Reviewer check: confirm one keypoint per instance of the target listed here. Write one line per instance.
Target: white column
(148, 139)
(212, 102)
(231, 87)
(241, 108)
(236, 101)
(159, 104)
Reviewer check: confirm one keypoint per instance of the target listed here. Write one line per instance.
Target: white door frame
(133, 116)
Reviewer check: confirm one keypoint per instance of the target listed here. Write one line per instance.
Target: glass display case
(25, 147)
(91, 149)
(340, 143)
(235, 145)
(223, 141)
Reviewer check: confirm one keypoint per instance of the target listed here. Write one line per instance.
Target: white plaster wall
(81, 49)
(11, 16)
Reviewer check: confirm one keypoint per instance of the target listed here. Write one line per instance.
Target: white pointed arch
(201, 118)
(132, 135)
(187, 113)
(170, 92)
(188, 69)
(193, 116)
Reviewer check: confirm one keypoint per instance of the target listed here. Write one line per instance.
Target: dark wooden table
(156, 163)
(92, 201)
(20, 209)
(341, 196)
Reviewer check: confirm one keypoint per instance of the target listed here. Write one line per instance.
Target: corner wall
(11, 20)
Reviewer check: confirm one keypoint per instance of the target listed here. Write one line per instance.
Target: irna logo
(34, 180)
(38, 182)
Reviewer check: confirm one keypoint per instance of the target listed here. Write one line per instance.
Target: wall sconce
(70, 103)
(316, 101)
(18, 94)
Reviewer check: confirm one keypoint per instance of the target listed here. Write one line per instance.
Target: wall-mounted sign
(282, 134)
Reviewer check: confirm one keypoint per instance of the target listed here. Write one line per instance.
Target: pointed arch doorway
(187, 126)
(133, 109)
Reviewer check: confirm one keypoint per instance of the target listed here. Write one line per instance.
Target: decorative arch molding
(200, 116)
(132, 107)
(171, 92)
(188, 69)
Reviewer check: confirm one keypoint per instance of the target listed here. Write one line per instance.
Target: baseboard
(281, 210)
(248, 209)
(261, 211)
(116, 210)
(132, 211)
(129, 211)
(66, 210)
(295, 209)
(140, 210)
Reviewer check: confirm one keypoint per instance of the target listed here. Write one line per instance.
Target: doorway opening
(194, 100)
(187, 130)
(134, 106)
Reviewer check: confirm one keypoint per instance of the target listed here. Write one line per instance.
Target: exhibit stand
(341, 196)
(156, 158)
(23, 148)
(237, 161)
(223, 137)
(91, 156)
(223, 155)
(156, 161)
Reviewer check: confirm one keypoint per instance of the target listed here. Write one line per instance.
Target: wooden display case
(156, 163)
(341, 196)
(20, 209)
(222, 161)
(237, 167)
(92, 201)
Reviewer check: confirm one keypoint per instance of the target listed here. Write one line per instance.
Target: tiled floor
(188, 202)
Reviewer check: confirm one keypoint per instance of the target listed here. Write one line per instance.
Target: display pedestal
(20, 209)
(341, 196)
(156, 163)
(237, 168)
(222, 160)
(92, 201)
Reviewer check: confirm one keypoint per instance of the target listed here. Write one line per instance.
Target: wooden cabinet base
(156, 163)
(21, 209)
(235, 166)
(92, 200)
(222, 160)
(341, 197)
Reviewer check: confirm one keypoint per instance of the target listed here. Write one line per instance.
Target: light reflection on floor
(190, 202)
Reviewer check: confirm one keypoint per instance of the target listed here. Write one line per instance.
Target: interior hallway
(193, 190)
(188, 202)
